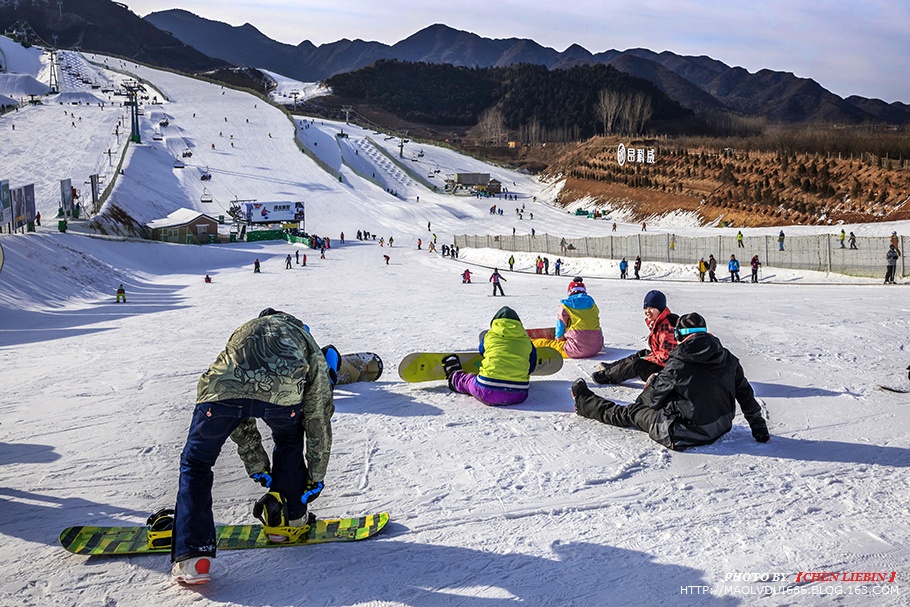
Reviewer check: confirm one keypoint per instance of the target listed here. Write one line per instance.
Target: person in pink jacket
(578, 333)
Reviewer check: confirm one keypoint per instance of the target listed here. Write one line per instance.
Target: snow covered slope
(523, 505)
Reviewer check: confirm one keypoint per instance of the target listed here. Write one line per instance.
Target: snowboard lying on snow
(362, 366)
(427, 366)
(131, 540)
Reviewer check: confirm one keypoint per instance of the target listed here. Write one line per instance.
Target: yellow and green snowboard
(132, 540)
(427, 366)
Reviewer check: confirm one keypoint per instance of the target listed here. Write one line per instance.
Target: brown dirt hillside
(750, 187)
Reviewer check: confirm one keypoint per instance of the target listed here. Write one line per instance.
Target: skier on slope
(495, 278)
(271, 368)
(466, 277)
(578, 333)
(661, 341)
(509, 358)
(691, 402)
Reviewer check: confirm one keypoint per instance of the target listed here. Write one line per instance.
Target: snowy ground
(525, 505)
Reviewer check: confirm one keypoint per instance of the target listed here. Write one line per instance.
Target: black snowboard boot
(603, 376)
(451, 364)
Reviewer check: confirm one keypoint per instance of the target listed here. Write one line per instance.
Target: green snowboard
(427, 366)
(130, 540)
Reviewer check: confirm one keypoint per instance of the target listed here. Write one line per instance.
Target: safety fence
(817, 252)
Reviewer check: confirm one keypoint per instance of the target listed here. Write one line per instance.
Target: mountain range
(181, 40)
(702, 84)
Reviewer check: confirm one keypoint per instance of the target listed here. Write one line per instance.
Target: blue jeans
(213, 423)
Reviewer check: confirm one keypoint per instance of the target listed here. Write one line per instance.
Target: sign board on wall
(272, 212)
(635, 155)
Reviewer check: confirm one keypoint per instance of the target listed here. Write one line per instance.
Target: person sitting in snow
(578, 333)
(691, 401)
(661, 341)
(509, 358)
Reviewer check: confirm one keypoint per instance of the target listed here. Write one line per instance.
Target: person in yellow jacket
(509, 357)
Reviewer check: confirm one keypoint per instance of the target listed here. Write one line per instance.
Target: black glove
(761, 436)
(312, 491)
(264, 478)
(643, 353)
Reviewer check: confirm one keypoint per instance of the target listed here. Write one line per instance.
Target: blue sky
(850, 48)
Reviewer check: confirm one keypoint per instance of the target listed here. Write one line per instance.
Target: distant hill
(105, 27)
(558, 105)
(702, 84)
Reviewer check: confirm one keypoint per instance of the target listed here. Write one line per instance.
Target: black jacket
(694, 395)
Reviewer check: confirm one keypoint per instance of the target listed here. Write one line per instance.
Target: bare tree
(608, 107)
(636, 110)
(492, 126)
(532, 132)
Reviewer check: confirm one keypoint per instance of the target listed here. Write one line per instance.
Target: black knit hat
(691, 320)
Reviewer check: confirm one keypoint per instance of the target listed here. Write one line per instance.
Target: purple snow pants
(466, 383)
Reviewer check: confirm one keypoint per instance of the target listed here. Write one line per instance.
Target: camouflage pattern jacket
(275, 360)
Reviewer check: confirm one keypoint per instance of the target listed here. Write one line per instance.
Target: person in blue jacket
(733, 266)
(623, 268)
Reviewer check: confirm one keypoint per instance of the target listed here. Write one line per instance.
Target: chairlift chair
(206, 197)
(179, 164)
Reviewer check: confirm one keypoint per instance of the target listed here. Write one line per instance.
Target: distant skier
(852, 241)
(557, 267)
(466, 277)
(891, 268)
(208, 278)
(623, 268)
(386, 257)
(733, 267)
(495, 278)
(256, 268)
(509, 357)
(756, 264)
(287, 262)
(511, 263)
(121, 294)
(637, 267)
(712, 268)
(578, 333)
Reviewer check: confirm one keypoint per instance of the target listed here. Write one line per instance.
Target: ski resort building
(185, 226)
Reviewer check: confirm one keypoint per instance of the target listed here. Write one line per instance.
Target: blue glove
(263, 478)
(312, 491)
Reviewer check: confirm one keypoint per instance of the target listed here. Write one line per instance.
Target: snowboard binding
(272, 510)
(161, 528)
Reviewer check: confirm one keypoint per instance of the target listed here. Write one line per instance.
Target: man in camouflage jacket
(271, 368)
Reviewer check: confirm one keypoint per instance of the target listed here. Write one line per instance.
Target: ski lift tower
(401, 142)
(347, 109)
(132, 91)
(54, 83)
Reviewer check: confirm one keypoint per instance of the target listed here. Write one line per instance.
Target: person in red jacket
(661, 342)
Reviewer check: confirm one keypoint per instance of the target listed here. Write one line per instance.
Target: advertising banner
(66, 196)
(6, 214)
(272, 212)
